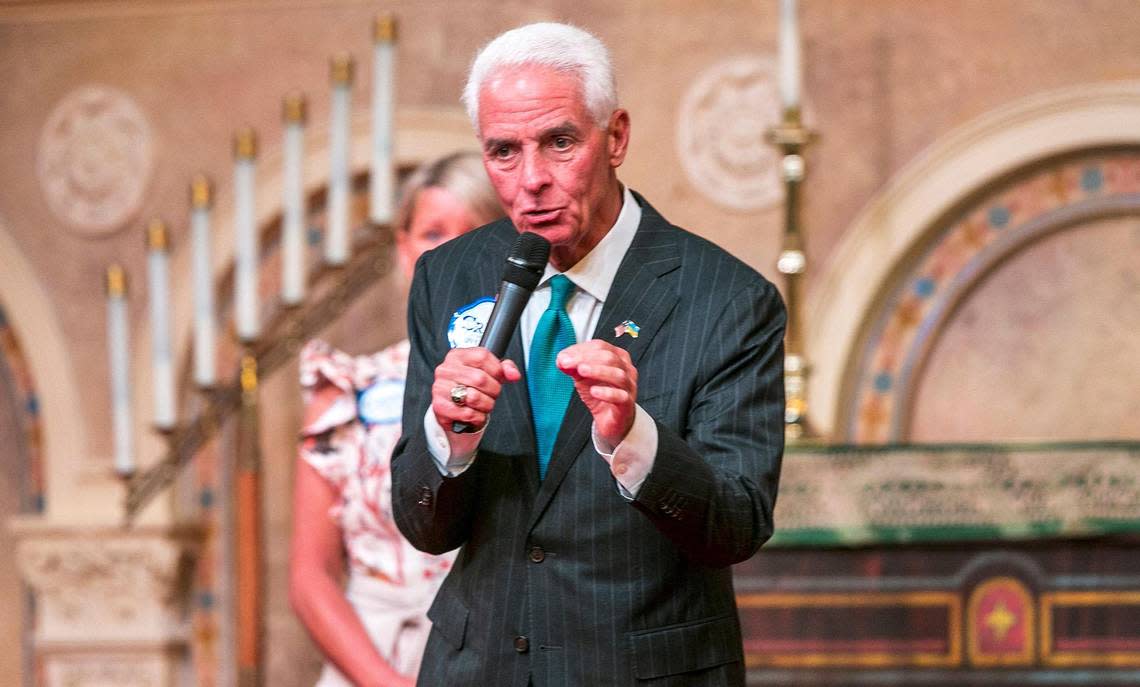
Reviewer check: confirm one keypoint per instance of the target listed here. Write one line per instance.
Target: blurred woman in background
(373, 630)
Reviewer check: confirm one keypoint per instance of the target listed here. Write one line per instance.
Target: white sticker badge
(381, 403)
(467, 324)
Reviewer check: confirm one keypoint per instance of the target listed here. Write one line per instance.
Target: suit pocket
(449, 617)
(687, 647)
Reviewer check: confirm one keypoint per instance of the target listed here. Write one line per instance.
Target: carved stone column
(110, 603)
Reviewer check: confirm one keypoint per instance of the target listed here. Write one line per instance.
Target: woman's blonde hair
(461, 174)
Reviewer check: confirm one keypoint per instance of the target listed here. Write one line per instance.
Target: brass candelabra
(790, 136)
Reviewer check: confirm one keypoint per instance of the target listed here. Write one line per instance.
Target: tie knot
(560, 288)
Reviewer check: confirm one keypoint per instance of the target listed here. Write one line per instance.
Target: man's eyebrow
(492, 143)
(564, 129)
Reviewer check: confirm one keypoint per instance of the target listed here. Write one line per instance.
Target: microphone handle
(501, 326)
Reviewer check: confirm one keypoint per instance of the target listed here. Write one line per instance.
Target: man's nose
(535, 173)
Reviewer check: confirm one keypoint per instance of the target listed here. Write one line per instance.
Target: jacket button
(425, 497)
(522, 644)
(537, 555)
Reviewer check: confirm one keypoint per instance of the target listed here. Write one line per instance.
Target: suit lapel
(644, 293)
(514, 400)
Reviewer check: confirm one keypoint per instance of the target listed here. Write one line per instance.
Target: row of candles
(246, 307)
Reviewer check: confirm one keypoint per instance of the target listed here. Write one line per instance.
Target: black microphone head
(527, 260)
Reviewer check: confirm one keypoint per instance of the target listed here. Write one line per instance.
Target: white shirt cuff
(452, 453)
(631, 460)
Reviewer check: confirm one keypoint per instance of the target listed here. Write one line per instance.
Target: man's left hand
(606, 381)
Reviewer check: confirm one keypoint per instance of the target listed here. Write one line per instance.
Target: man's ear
(617, 137)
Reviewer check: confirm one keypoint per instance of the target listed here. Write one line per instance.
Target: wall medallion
(95, 159)
(721, 133)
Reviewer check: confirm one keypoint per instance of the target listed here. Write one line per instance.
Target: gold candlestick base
(796, 424)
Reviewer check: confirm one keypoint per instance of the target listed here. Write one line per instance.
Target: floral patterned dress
(351, 425)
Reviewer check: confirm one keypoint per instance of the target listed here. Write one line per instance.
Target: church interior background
(961, 492)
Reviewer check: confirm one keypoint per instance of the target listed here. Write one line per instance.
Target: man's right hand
(482, 374)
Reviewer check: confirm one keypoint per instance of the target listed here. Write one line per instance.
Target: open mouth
(542, 215)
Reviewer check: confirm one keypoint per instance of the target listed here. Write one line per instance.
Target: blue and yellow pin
(628, 327)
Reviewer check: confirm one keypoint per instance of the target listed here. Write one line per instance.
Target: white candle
(118, 349)
(336, 216)
(205, 330)
(381, 181)
(246, 317)
(158, 297)
(293, 203)
(790, 76)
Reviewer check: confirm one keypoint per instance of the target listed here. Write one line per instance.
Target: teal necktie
(549, 387)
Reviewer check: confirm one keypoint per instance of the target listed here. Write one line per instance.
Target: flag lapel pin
(628, 327)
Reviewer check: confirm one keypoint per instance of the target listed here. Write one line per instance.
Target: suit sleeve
(431, 510)
(713, 485)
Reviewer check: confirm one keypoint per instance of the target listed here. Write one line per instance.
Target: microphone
(524, 268)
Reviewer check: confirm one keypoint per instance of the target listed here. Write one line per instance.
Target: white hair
(560, 46)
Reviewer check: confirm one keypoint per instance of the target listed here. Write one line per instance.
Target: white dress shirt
(632, 459)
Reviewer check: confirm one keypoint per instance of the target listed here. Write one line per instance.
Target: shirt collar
(595, 273)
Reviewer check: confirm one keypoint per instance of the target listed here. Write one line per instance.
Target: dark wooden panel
(1060, 612)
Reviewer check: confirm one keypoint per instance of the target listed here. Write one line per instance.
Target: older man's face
(549, 161)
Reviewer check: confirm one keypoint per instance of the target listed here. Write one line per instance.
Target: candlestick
(791, 137)
(790, 75)
(293, 202)
(158, 296)
(246, 314)
(118, 349)
(381, 179)
(336, 236)
(205, 330)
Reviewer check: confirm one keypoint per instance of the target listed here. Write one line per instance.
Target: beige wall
(885, 80)
(1035, 367)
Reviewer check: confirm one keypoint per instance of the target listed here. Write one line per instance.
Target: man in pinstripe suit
(608, 563)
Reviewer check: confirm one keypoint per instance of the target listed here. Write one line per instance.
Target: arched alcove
(1055, 362)
(34, 428)
(29, 319)
(887, 236)
(1013, 317)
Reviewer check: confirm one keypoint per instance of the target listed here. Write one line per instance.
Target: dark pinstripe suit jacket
(563, 581)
